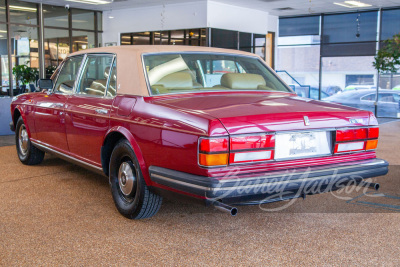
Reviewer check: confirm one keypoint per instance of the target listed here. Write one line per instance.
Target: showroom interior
(323, 50)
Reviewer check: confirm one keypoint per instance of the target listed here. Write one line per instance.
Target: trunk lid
(242, 113)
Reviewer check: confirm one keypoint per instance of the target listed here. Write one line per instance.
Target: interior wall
(236, 18)
(155, 18)
(185, 16)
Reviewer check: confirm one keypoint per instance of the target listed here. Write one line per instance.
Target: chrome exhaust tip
(374, 186)
(225, 208)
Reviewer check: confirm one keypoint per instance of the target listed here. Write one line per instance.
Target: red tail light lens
(373, 132)
(351, 134)
(214, 145)
(252, 142)
(213, 151)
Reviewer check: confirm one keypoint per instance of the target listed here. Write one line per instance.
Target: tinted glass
(82, 40)
(179, 73)
(2, 11)
(68, 75)
(23, 12)
(390, 23)
(299, 26)
(224, 38)
(112, 86)
(343, 28)
(245, 41)
(82, 19)
(55, 16)
(99, 21)
(56, 46)
(4, 74)
(95, 75)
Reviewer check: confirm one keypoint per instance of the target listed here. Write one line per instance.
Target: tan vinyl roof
(130, 73)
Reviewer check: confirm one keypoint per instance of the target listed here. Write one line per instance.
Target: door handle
(58, 105)
(101, 111)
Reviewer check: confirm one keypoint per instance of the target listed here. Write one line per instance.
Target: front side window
(196, 72)
(95, 75)
(68, 74)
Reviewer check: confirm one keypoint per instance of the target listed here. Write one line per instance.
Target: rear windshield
(195, 72)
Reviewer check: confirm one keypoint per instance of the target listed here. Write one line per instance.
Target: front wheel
(27, 153)
(131, 195)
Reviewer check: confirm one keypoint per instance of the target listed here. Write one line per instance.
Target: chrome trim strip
(67, 157)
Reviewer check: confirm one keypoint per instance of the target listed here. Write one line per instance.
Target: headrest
(177, 80)
(242, 80)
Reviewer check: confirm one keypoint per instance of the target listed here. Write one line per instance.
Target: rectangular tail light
(213, 151)
(221, 151)
(360, 139)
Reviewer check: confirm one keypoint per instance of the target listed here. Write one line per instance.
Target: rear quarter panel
(165, 137)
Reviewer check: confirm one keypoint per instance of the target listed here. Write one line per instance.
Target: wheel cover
(126, 178)
(23, 140)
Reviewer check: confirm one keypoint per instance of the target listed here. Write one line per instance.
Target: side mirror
(46, 84)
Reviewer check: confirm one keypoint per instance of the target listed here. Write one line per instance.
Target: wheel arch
(113, 136)
(17, 113)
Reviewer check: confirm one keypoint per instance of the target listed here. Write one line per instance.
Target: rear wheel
(27, 153)
(131, 195)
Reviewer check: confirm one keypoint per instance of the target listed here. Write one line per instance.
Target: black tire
(28, 154)
(131, 195)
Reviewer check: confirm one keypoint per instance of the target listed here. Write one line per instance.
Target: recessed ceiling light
(93, 2)
(110, 17)
(352, 4)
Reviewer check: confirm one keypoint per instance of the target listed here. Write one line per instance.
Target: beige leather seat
(173, 82)
(98, 87)
(243, 81)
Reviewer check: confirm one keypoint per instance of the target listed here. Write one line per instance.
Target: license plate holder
(302, 144)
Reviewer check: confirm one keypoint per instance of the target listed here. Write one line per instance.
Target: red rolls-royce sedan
(213, 124)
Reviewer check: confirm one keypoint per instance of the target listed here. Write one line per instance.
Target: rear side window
(112, 86)
(370, 97)
(95, 75)
(68, 74)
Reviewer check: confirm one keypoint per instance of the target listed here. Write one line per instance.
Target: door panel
(49, 110)
(88, 110)
(87, 122)
(50, 120)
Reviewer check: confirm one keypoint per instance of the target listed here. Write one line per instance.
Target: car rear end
(262, 167)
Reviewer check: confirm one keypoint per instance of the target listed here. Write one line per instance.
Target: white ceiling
(299, 7)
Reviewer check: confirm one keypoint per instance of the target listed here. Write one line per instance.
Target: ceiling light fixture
(352, 4)
(93, 2)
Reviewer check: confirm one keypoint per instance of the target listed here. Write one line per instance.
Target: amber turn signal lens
(213, 159)
(371, 144)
